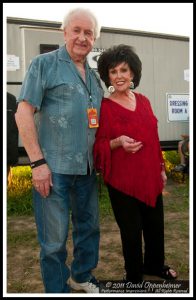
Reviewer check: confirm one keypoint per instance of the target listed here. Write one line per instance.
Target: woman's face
(120, 77)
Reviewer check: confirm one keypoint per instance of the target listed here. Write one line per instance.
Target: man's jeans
(78, 193)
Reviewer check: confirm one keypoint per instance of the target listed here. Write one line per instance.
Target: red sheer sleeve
(162, 162)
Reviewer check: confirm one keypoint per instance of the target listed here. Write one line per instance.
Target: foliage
(19, 195)
(172, 159)
(19, 192)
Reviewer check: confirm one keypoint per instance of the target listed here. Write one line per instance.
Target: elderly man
(57, 118)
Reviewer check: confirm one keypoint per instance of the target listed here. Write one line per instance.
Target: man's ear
(64, 34)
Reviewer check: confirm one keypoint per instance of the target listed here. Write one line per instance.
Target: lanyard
(91, 112)
(90, 101)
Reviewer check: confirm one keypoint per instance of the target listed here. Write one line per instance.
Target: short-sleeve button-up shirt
(55, 88)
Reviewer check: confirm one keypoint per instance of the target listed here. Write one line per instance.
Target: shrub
(19, 192)
(171, 160)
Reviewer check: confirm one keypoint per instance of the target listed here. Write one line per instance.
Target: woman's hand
(129, 144)
(164, 177)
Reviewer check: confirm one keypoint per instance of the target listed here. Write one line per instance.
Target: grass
(24, 238)
(19, 191)
(180, 199)
(23, 271)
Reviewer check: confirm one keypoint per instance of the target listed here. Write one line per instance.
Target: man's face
(79, 36)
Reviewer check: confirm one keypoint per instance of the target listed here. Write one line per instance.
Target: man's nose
(82, 37)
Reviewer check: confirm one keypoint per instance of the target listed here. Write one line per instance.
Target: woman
(127, 152)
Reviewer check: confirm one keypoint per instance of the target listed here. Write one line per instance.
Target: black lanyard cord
(90, 101)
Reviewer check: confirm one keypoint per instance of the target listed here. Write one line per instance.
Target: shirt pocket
(59, 99)
(63, 91)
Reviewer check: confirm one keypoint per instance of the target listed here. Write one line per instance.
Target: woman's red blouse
(138, 174)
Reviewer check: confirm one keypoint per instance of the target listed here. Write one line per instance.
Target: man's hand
(42, 179)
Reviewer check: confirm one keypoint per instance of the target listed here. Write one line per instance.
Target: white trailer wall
(164, 60)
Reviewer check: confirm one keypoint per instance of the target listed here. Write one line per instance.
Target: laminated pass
(92, 118)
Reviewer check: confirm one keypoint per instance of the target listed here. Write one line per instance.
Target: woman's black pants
(138, 222)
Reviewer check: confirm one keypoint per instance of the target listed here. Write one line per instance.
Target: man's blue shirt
(55, 88)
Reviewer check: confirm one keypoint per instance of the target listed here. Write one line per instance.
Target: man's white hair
(83, 11)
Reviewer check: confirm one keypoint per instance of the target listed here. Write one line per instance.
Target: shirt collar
(64, 55)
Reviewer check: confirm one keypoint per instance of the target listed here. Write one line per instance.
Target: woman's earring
(111, 89)
(131, 85)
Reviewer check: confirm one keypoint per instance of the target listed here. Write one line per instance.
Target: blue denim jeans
(78, 194)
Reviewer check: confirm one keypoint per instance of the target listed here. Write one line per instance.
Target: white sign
(12, 63)
(186, 75)
(93, 57)
(178, 107)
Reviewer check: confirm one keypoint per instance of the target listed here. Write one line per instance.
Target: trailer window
(44, 48)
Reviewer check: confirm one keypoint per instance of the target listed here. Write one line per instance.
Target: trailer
(165, 68)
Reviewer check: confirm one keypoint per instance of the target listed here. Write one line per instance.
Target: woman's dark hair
(116, 55)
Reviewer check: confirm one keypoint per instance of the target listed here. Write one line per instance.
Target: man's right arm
(41, 175)
(27, 130)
